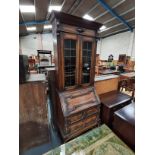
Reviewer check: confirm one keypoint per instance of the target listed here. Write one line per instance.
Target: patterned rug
(99, 141)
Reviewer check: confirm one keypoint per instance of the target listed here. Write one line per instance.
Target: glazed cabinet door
(87, 63)
(70, 60)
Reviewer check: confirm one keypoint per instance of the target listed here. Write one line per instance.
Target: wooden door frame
(73, 37)
(92, 68)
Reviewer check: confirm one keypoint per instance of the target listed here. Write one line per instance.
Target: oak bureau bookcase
(77, 106)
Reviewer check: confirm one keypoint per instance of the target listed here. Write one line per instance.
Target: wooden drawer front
(75, 127)
(80, 116)
(82, 124)
(92, 111)
(74, 29)
(75, 118)
(91, 120)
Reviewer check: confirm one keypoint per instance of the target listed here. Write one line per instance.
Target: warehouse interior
(77, 77)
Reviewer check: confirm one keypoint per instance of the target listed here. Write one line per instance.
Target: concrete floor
(55, 137)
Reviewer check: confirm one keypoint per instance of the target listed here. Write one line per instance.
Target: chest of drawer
(112, 102)
(92, 111)
(82, 115)
(74, 118)
(70, 129)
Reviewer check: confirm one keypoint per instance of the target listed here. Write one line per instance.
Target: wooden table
(108, 71)
(36, 78)
(106, 83)
(124, 124)
(128, 75)
(44, 67)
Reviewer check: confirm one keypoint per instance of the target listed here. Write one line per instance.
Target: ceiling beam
(34, 23)
(108, 28)
(94, 7)
(116, 32)
(104, 13)
(25, 26)
(74, 7)
(122, 14)
(112, 12)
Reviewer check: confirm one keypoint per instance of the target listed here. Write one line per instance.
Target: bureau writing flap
(78, 99)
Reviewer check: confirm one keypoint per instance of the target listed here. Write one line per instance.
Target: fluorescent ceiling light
(27, 8)
(86, 16)
(47, 26)
(31, 28)
(54, 7)
(103, 27)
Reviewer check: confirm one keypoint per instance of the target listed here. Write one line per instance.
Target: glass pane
(66, 52)
(89, 46)
(73, 44)
(69, 61)
(67, 43)
(84, 45)
(73, 52)
(86, 61)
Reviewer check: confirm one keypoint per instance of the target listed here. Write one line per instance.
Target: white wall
(31, 43)
(122, 43)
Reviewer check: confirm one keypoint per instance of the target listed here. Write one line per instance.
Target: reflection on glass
(69, 61)
(86, 61)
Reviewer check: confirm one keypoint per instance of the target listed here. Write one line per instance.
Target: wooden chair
(128, 85)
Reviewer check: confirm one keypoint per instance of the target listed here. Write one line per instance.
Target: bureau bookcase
(77, 106)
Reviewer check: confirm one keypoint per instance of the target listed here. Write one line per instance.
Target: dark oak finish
(78, 40)
(111, 102)
(122, 58)
(52, 90)
(76, 103)
(124, 124)
(23, 68)
(74, 21)
(127, 81)
(80, 109)
(33, 122)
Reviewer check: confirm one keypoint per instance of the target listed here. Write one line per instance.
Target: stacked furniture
(124, 124)
(111, 99)
(111, 102)
(76, 106)
(45, 60)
